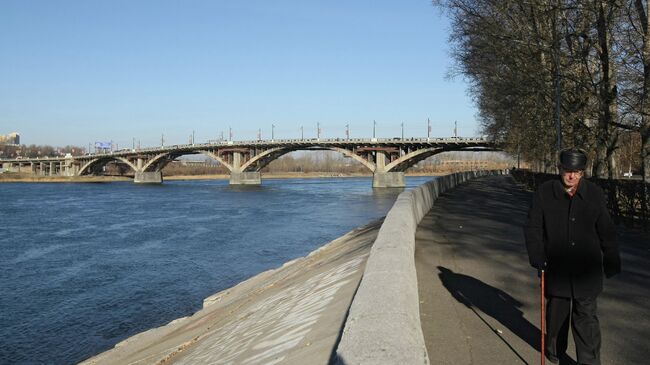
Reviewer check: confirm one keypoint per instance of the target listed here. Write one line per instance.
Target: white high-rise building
(10, 139)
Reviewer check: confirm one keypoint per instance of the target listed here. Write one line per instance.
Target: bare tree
(548, 74)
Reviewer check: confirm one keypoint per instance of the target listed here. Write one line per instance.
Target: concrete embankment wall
(383, 324)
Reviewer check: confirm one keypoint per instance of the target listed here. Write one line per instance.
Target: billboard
(103, 145)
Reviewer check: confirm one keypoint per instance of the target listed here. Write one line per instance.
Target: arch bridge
(387, 159)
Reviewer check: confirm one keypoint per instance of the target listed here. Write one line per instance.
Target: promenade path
(479, 298)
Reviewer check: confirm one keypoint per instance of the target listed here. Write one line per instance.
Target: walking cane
(543, 317)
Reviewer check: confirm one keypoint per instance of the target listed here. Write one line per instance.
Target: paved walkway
(479, 298)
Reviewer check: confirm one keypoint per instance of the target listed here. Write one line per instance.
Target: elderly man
(570, 235)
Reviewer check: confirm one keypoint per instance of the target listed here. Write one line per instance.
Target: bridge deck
(306, 143)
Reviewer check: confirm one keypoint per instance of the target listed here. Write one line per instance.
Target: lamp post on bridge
(374, 129)
(428, 129)
(402, 131)
(302, 133)
(272, 132)
(347, 131)
(318, 131)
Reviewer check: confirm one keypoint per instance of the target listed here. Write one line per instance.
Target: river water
(84, 266)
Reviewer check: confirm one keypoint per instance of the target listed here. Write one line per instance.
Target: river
(84, 266)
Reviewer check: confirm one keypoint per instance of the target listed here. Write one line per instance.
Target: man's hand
(610, 272)
(611, 262)
(540, 266)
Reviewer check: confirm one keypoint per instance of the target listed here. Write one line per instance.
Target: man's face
(571, 178)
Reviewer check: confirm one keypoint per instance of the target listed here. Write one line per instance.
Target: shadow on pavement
(496, 303)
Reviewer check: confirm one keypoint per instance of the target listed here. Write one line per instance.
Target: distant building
(11, 139)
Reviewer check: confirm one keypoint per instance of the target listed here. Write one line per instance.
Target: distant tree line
(558, 73)
(34, 151)
(323, 161)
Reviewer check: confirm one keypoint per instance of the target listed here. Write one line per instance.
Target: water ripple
(84, 266)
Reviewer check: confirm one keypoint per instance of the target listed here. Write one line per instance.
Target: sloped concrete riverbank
(290, 315)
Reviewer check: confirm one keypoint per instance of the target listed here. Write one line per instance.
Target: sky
(78, 72)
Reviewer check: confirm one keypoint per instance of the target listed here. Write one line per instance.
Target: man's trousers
(584, 324)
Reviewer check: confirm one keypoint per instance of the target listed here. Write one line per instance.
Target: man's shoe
(552, 359)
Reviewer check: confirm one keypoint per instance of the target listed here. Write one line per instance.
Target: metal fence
(628, 200)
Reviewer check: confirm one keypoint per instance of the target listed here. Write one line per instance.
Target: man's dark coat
(575, 237)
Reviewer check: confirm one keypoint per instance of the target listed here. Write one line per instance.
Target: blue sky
(76, 72)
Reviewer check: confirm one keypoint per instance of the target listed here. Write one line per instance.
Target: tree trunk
(612, 167)
(645, 114)
(645, 153)
(606, 135)
(599, 167)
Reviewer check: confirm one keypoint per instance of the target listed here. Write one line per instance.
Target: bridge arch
(92, 165)
(158, 162)
(371, 166)
(258, 162)
(410, 159)
(218, 159)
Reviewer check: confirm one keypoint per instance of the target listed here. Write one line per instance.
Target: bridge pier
(388, 180)
(69, 170)
(383, 179)
(245, 178)
(148, 177)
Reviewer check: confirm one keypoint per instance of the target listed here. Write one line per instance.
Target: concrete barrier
(383, 324)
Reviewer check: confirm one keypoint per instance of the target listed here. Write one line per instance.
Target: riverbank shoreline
(293, 313)
(30, 178)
